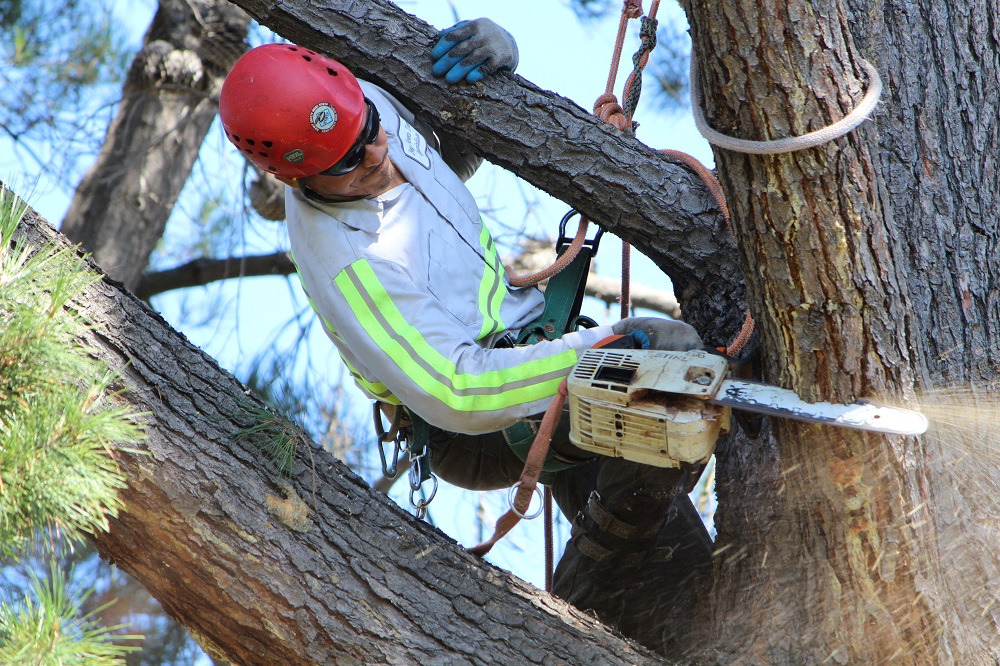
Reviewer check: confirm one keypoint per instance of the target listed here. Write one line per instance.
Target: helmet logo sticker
(323, 117)
(295, 156)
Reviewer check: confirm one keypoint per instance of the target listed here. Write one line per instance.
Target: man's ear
(291, 182)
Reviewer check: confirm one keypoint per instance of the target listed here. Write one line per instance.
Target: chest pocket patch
(450, 279)
(414, 145)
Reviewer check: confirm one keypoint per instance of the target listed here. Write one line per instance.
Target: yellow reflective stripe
(491, 288)
(429, 369)
(374, 390)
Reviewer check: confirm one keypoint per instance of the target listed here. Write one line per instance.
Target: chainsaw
(668, 409)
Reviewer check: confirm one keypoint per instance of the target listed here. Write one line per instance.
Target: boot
(635, 541)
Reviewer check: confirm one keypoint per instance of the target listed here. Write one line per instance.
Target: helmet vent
(268, 144)
(332, 72)
(250, 142)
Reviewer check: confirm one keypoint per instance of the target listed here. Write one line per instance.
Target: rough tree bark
(169, 101)
(868, 263)
(312, 569)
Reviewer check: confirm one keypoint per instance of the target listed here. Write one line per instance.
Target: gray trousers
(486, 462)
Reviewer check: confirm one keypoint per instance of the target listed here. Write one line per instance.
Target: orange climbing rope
(562, 262)
(607, 108)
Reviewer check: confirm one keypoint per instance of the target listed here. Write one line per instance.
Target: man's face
(375, 175)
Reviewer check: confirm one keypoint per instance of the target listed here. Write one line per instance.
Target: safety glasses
(352, 160)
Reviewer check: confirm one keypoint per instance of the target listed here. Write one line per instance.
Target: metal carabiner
(420, 506)
(397, 418)
(395, 434)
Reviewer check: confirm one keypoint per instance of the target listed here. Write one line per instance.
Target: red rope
(529, 476)
(559, 264)
(549, 549)
(715, 189)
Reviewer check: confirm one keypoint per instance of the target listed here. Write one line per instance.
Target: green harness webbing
(563, 300)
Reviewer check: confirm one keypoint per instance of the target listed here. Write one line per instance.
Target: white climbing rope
(810, 140)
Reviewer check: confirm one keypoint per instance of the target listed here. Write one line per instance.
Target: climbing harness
(563, 300)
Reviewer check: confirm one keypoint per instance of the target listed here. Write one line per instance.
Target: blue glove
(662, 334)
(472, 50)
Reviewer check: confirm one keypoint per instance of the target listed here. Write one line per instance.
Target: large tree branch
(205, 270)
(315, 569)
(660, 207)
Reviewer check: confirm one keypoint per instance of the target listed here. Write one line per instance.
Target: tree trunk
(313, 569)
(169, 102)
(836, 546)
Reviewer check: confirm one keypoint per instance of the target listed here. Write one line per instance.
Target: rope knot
(607, 109)
(647, 33)
(632, 9)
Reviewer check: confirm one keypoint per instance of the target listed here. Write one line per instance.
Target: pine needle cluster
(58, 420)
(49, 627)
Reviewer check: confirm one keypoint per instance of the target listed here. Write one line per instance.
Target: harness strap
(525, 487)
(563, 300)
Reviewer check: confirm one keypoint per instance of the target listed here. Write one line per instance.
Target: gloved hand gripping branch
(472, 50)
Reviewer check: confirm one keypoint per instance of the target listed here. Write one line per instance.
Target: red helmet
(291, 111)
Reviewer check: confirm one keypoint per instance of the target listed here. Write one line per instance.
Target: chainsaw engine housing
(647, 406)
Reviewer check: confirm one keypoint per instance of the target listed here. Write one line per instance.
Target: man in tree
(395, 258)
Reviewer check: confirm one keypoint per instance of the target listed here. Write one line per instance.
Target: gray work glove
(472, 50)
(657, 333)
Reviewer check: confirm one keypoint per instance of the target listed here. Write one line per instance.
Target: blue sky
(557, 53)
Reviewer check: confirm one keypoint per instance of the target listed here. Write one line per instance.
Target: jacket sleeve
(432, 364)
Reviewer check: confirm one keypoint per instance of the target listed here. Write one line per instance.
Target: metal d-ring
(541, 504)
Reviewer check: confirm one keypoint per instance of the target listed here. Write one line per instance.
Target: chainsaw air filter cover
(647, 406)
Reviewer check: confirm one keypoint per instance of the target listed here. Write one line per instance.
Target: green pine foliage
(48, 626)
(58, 422)
(274, 436)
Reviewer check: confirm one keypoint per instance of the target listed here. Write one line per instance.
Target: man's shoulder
(384, 101)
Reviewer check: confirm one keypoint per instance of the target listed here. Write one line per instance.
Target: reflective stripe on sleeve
(374, 390)
(429, 369)
(492, 289)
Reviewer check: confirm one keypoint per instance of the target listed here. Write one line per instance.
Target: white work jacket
(411, 290)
